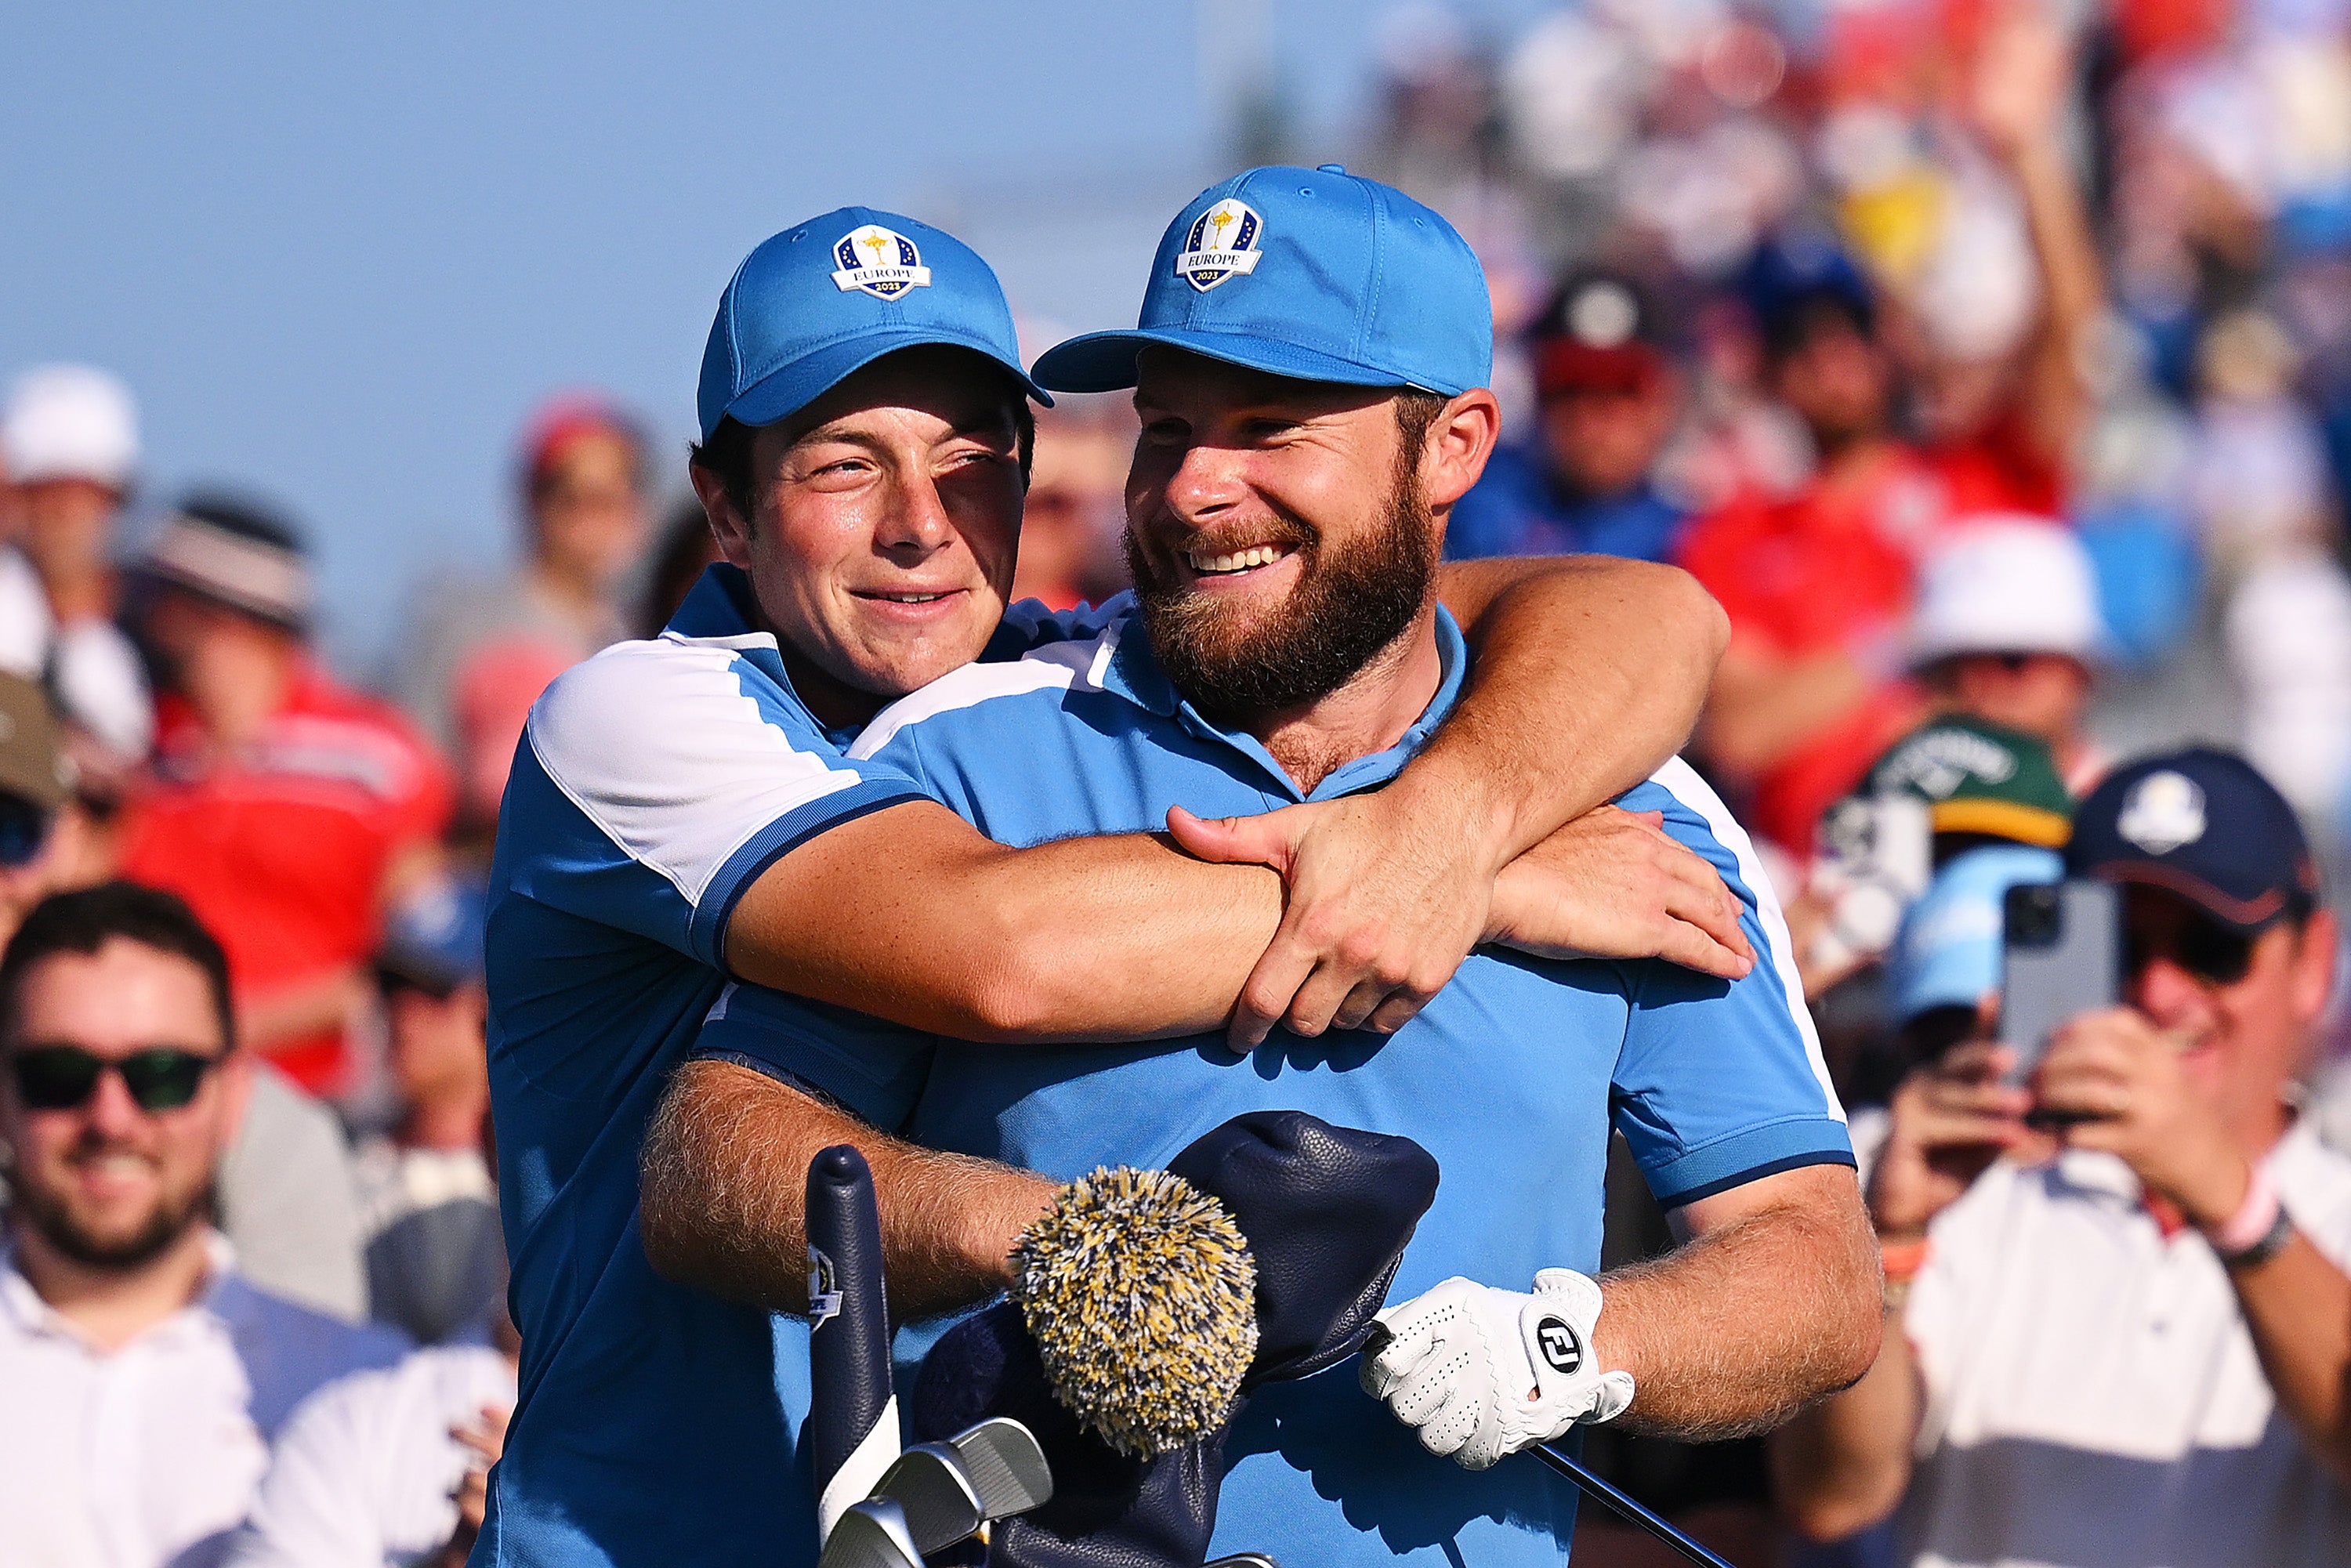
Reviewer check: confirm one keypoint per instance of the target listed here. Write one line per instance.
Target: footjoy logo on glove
(1560, 1346)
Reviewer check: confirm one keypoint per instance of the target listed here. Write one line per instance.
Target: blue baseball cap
(812, 304)
(1315, 274)
(433, 939)
(1948, 952)
(2204, 824)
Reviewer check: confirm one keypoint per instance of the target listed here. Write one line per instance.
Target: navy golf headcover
(1327, 1211)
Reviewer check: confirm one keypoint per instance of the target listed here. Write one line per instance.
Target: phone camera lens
(2034, 916)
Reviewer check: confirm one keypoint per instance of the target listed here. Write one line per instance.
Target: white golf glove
(1480, 1373)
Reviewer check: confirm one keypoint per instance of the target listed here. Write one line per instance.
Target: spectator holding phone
(142, 1376)
(2119, 1271)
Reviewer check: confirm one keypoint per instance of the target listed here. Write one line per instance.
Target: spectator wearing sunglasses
(2126, 1325)
(144, 1379)
(436, 1258)
(36, 785)
(286, 1187)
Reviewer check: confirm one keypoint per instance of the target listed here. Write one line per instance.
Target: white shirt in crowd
(149, 1455)
(366, 1471)
(2093, 1397)
(93, 671)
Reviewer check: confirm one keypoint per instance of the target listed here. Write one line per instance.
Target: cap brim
(799, 383)
(1925, 653)
(2239, 915)
(283, 617)
(2002, 819)
(1105, 361)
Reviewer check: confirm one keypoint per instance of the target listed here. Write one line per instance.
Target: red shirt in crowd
(1830, 566)
(282, 849)
(2000, 468)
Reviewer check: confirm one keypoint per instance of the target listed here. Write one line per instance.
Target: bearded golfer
(1288, 643)
(682, 811)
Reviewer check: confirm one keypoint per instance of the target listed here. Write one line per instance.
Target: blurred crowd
(1989, 360)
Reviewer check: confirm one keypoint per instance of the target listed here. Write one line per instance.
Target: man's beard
(1352, 603)
(52, 1216)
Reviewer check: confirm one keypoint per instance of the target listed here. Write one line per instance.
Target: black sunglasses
(2207, 949)
(61, 1077)
(24, 828)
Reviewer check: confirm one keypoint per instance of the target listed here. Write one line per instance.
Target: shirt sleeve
(316, 1508)
(873, 1069)
(1721, 1083)
(656, 782)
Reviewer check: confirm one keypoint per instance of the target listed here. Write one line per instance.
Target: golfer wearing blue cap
(684, 811)
(1309, 368)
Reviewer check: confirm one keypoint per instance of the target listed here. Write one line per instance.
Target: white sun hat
(70, 422)
(2007, 582)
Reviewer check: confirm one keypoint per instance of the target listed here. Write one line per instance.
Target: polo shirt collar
(20, 1301)
(718, 608)
(721, 612)
(1128, 669)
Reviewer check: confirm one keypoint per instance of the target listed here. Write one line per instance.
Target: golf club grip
(854, 1417)
(1623, 1506)
(1599, 1490)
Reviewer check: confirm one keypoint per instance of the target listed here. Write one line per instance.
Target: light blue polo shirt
(654, 784)
(1512, 1077)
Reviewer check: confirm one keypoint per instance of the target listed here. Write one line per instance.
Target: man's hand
(1950, 1121)
(485, 1440)
(2120, 1085)
(1382, 906)
(1479, 1373)
(1614, 884)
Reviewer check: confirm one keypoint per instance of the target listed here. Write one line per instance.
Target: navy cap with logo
(1315, 274)
(2201, 823)
(813, 304)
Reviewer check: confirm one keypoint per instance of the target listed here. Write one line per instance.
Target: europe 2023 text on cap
(826, 298)
(1315, 274)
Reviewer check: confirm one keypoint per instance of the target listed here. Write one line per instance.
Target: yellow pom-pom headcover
(1139, 1291)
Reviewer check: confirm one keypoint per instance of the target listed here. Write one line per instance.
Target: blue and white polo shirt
(654, 784)
(1512, 1077)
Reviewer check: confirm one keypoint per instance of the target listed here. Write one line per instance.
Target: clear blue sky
(340, 252)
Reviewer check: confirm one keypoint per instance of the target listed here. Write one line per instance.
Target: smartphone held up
(2061, 956)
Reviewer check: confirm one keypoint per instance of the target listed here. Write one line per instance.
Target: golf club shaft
(1623, 1507)
(853, 1423)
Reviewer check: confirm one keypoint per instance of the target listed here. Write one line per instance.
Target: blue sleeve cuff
(870, 1068)
(1748, 1156)
(772, 844)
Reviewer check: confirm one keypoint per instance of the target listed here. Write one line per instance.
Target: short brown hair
(86, 920)
(726, 456)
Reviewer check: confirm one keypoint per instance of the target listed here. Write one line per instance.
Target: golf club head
(871, 1535)
(940, 1504)
(991, 1471)
(1006, 1466)
(1245, 1560)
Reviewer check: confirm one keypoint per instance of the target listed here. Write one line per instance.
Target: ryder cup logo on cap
(1348, 281)
(881, 262)
(819, 301)
(2163, 812)
(1222, 245)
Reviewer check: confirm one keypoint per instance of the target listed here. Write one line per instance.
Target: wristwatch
(2272, 1242)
